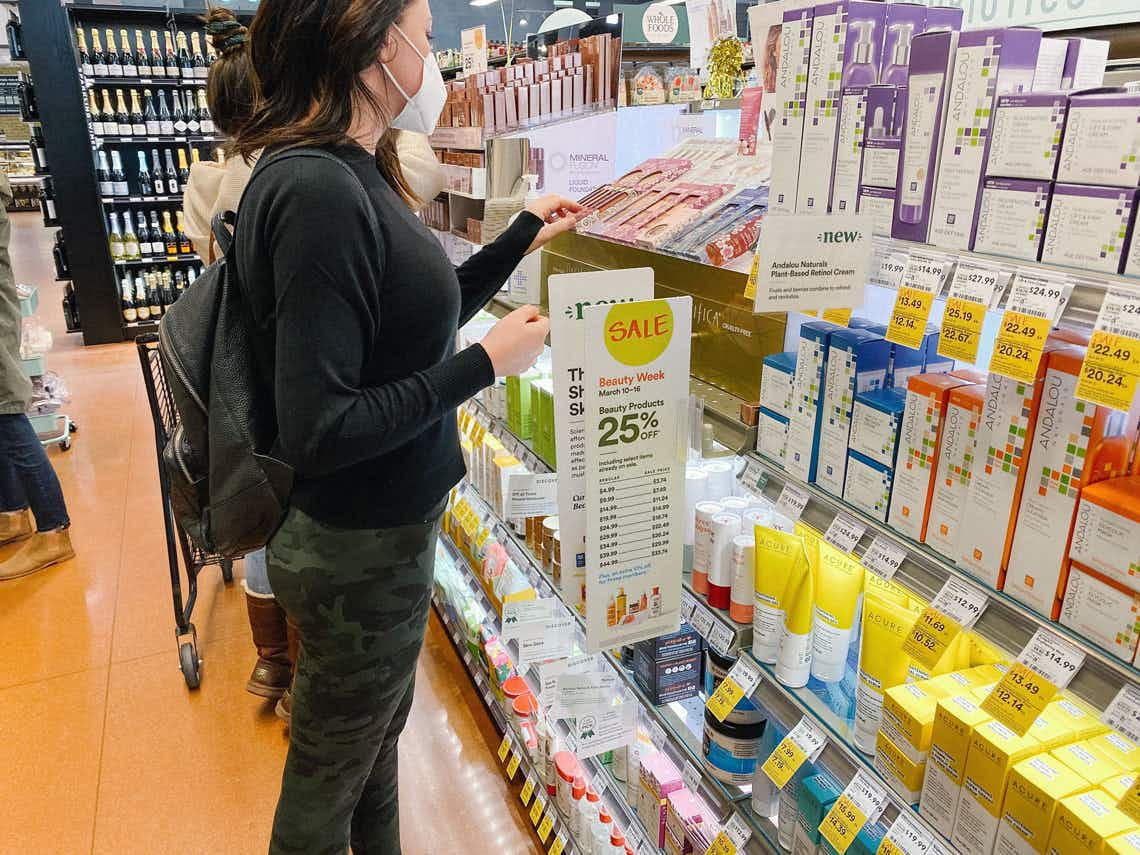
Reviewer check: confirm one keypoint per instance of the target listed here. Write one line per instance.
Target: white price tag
(867, 795)
(702, 621)
(599, 784)
(978, 283)
(657, 735)
(926, 272)
(750, 477)
(467, 658)
(635, 838)
(1119, 314)
(1052, 657)
(892, 269)
(793, 499)
(908, 836)
(960, 601)
(1123, 713)
(1039, 295)
(883, 557)
(738, 831)
(688, 604)
(844, 532)
(691, 777)
(518, 614)
(721, 638)
(746, 674)
(809, 737)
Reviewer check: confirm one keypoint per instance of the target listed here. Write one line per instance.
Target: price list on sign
(921, 284)
(1035, 302)
(956, 607)
(1046, 666)
(1111, 369)
(862, 801)
(973, 291)
(805, 742)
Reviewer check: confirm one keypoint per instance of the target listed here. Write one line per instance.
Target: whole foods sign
(660, 24)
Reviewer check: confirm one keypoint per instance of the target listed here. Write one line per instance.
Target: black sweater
(354, 329)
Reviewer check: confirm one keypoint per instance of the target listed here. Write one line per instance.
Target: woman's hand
(559, 215)
(515, 343)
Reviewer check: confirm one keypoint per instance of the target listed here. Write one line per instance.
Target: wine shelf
(112, 82)
(176, 138)
(140, 200)
(157, 259)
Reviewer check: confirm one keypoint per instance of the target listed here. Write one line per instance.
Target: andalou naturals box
(1011, 217)
(1084, 822)
(772, 435)
(1035, 788)
(1102, 140)
(1050, 69)
(879, 202)
(1075, 444)
(868, 485)
(987, 63)
(791, 105)
(920, 438)
(955, 469)
(776, 379)
(867, 113)
(954, 721)
(1025, 140)
(1104, 612)
(909, 361)
(994, 751)
(807, 395)
(1085, 62)
(1088, 226)
(856, 362)
(1106, 530)
(875, 420)
(931, 61)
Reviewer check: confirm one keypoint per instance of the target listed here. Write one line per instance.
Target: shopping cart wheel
(190, 663)
(227, 571)
(72, 427)
(65, 444)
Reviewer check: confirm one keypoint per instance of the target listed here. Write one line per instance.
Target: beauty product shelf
(1005, 622)
(475, 138)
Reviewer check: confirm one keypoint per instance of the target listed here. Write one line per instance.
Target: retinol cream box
(867, 114)
(988, 63)
(1088, 226)
(772, 435)
(776, 383)
(1106, 532)
(856, 362)
(868, 486)
(875, 420)
(1084, 822)
(1011, 217)
(906, 362)
(1102, 140)
(807, 395)
(791, 104)
(955, 469)
(1085, 62)
(879, 202)
(1025, 141)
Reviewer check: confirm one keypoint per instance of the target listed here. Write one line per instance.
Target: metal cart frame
(165, 418)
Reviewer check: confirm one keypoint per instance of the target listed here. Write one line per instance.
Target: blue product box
(936, 363)
(906, 361)
(817, 794)
(868, 486)
(776, 379)
(807, 395)
(667, 680)
(772, 435)
(876, 419)
(857, 361)
(683, 642)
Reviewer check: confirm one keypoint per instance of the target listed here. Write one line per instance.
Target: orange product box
(1074, 445)
(1102, 610)
(955, 468)
(970, 375)
(920, 439)
(1106, 532)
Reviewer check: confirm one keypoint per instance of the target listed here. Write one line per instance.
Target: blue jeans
(257, 574)
(26, 476)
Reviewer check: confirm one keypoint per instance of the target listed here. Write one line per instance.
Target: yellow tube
(882, 664)
(838, 581)
(793, 660)
(875, 585)
(777, 553)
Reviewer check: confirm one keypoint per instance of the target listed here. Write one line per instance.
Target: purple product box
(680, 643)
(667, 680)
(1088, 227)
(867, 114)
(932, 56)
(1011, 217)
(1025, 140)
(944, 17)
(1102, 140)
(879, 202)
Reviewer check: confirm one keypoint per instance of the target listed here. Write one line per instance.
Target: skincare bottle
(897, 69)
(862, 71)
(878, 130)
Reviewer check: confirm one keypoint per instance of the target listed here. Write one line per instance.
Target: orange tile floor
(102, 747)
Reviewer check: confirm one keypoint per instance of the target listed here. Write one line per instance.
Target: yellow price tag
(1130, 804)
(1020, 342)
(930, 637)
(1019, 698)
(536, 810)
(783, 762)
(843, 822)
(1111, 371)
(527, 791)
(557, 846)
(961, 329)
(725, 698)
(837, 316)
(544, 829)
(482, 538)
(478, 434)
(889, 847)
(750, 288)
(504, 748)
(513, 767)
(721, 845)
(907, 324)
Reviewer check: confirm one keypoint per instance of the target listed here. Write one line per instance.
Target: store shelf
(144, 81)
(156, 259)
(140, 200)
(176, 138)
(465, 195)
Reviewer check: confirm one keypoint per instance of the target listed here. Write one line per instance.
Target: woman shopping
(355, 311)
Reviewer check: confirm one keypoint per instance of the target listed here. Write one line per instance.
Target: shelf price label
(1111, 370)
(558, 846)
(891, 270)
(861, 802)
(527, 790)
(973, 291)
(956, 607)
(1039, 301)
(505, 747)
(793, 499)
(721, 639)
(536, 810)
(921, 283)
(804, 742)
(513, 766)
(731, 839)
(884, 557)
(545, 827)
(1123, 714)
(750, 286)
(702, 620)
(688, 606)
(844, 533)
(905, 837)
(740, 683)
(1045, 667)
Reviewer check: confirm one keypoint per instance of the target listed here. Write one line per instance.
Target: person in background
(27, 480)
(355, 314)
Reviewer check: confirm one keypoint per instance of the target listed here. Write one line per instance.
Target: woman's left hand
(558, 215)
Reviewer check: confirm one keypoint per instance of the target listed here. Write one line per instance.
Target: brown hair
(307, 57)
(230, 89)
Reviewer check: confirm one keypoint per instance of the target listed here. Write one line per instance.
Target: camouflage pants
(360, 599)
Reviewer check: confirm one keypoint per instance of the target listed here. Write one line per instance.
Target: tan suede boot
(42, 550)
(14, 526)
(273, 671)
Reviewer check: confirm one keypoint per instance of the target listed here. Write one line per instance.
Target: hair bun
(225, 31)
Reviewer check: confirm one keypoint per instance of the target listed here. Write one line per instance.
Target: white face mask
(421, 112)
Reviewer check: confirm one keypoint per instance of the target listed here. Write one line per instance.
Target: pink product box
(679, 205)
(654, 171)
(684, 809)
(662, 229)
(659, 778)
(618, 213)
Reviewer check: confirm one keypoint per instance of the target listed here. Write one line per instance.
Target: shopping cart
(165, 418)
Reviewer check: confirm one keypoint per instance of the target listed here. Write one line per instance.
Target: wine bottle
(122, 117)
(171, 174)
(195, 157)
(184, 244)
(185, 63)
(110, 123)
(204, 117)
(95, 113)
(158, 179)
(200, 69)
(156, 242)
(15, 36)
(180, 124)
(39, 150)
(177, 286)
(131, 250)
(193, 125)
(116, 238)
(157, 65)
(29, 109)
(146, 185)
(127, 59)
(165, 120)
(103, 174)
(171, 60)
(211, 57)
(154, 297)
(114, 66)
(98, 58)
(47, 201)
(118, 177)
(85, 64)
(150, 116)
(130, 314)
(138, 123)
(143, 231)
(183, 170)
(191, 276)
(170, 239)
(142, 304)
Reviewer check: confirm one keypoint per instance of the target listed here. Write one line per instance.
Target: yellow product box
(954, 722)
(1084, 822)
(994, 751)
(908, 715)
(903, 774)
(1035, 787)
(1089, 764)
(988, 674)
(1052, 729)
(946, 685)
(1118, 785)
(1124, 844)
(505, 464)
(1117, 749)
(982, 652)
(1081, 718)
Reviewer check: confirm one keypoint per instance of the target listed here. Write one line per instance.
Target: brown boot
(14, 526)
(284, 708)
(42, 550)
(273, 671)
